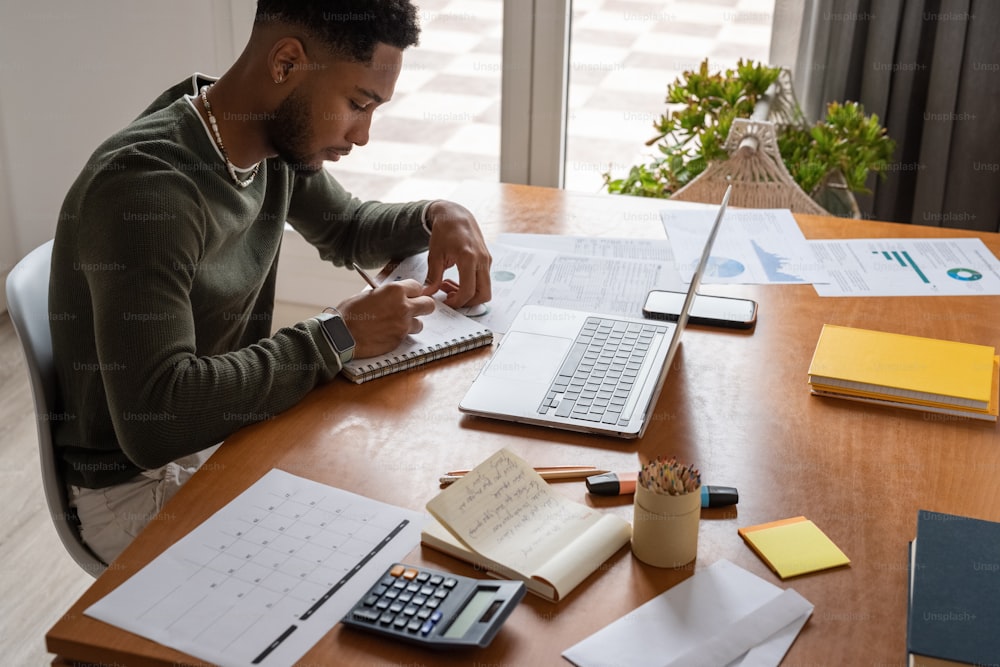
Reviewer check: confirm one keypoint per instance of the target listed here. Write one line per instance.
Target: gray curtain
(930, 69)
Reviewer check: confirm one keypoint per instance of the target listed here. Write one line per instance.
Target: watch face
(339, 335)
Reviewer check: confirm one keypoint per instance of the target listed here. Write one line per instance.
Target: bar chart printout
(907, 267)
(264, 578)
(903, 259)
(754, 247)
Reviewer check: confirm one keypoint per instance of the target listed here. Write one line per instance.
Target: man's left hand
(456, 240)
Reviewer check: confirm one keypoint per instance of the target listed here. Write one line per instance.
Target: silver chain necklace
(222, 149)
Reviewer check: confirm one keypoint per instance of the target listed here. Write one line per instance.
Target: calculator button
(430, 623)
(367, 615)
(408, 601)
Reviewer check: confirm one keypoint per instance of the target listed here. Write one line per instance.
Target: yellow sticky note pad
(793, 546)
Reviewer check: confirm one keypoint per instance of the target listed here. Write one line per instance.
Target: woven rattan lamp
(755, 168)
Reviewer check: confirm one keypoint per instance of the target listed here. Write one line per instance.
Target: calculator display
(473, 611)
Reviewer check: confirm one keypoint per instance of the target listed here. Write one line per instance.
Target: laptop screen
(699, 271)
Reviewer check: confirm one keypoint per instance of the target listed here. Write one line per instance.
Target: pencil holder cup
(665, 527)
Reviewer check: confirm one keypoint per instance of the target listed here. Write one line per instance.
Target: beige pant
(111, 517)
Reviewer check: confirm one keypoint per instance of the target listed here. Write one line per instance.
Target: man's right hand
(379, 319)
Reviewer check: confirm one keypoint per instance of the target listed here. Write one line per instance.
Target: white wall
(72, 73)
(8, 251)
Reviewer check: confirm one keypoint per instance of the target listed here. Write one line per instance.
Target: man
(166, 252)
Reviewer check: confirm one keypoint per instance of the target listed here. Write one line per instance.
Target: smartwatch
(337, 335)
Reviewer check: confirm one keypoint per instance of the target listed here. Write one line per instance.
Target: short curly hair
(350, 29)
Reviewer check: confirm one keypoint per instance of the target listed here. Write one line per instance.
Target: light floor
(38, 579)
(441, 127)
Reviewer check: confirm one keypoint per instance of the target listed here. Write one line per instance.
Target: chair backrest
(28, 306)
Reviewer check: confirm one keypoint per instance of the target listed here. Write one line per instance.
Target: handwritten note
(504, 510)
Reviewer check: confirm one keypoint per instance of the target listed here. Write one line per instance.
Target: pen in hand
(364, 274)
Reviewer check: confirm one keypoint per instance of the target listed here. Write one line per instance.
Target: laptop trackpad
(529, 357)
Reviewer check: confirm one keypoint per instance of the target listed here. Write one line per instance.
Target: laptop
(582, 371)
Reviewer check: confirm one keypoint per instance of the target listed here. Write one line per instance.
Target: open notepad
(446, 332)
(504, 518)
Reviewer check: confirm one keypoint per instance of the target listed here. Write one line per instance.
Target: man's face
(330, 111)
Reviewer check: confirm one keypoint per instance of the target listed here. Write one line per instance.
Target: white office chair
(28, 306)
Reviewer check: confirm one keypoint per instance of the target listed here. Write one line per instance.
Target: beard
(290, 133)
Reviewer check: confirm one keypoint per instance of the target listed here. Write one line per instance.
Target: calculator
(435, 609)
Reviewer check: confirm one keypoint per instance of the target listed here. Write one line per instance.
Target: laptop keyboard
(600, 371)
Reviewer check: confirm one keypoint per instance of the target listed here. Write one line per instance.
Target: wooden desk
(736, 405)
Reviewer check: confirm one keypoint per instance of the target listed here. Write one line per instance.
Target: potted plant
(829, 160)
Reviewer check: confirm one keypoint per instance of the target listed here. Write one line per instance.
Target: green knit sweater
(162, 291)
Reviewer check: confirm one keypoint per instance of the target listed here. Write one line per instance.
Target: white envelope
(721, 616)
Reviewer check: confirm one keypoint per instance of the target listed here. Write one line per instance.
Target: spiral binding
(389, 365)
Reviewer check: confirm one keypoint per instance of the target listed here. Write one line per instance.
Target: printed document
(264, 578)
(655, 250)
(609, 282)
(908, 267)
(754, 246)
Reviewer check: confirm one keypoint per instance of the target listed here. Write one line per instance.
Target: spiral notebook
(446, 332)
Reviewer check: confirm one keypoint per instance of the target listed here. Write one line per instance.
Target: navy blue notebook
(954, 610)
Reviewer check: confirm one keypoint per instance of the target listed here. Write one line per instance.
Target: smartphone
(712, 311)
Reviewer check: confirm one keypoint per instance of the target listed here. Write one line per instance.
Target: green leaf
(701, 106)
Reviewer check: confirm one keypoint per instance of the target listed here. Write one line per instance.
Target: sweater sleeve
(140, 259)
(344, 229)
